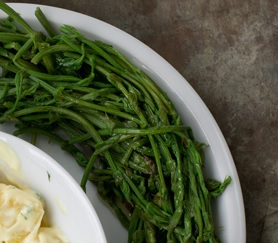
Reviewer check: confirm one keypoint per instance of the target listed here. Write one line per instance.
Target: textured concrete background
(228, 51)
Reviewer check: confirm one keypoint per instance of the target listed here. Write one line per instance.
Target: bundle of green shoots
(115, 121)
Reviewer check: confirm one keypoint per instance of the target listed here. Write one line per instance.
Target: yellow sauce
(21, 209)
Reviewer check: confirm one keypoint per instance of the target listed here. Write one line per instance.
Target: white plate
(228, 210)
(66, 203)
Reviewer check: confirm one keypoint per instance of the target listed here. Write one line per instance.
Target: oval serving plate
(228, 209)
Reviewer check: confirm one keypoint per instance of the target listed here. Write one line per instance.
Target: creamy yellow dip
(21, 215)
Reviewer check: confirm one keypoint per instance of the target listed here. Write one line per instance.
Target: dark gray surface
(227, 50)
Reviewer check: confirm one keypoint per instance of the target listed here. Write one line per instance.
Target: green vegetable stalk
(115, 121)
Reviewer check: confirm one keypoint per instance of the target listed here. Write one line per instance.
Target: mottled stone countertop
(228, 51)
